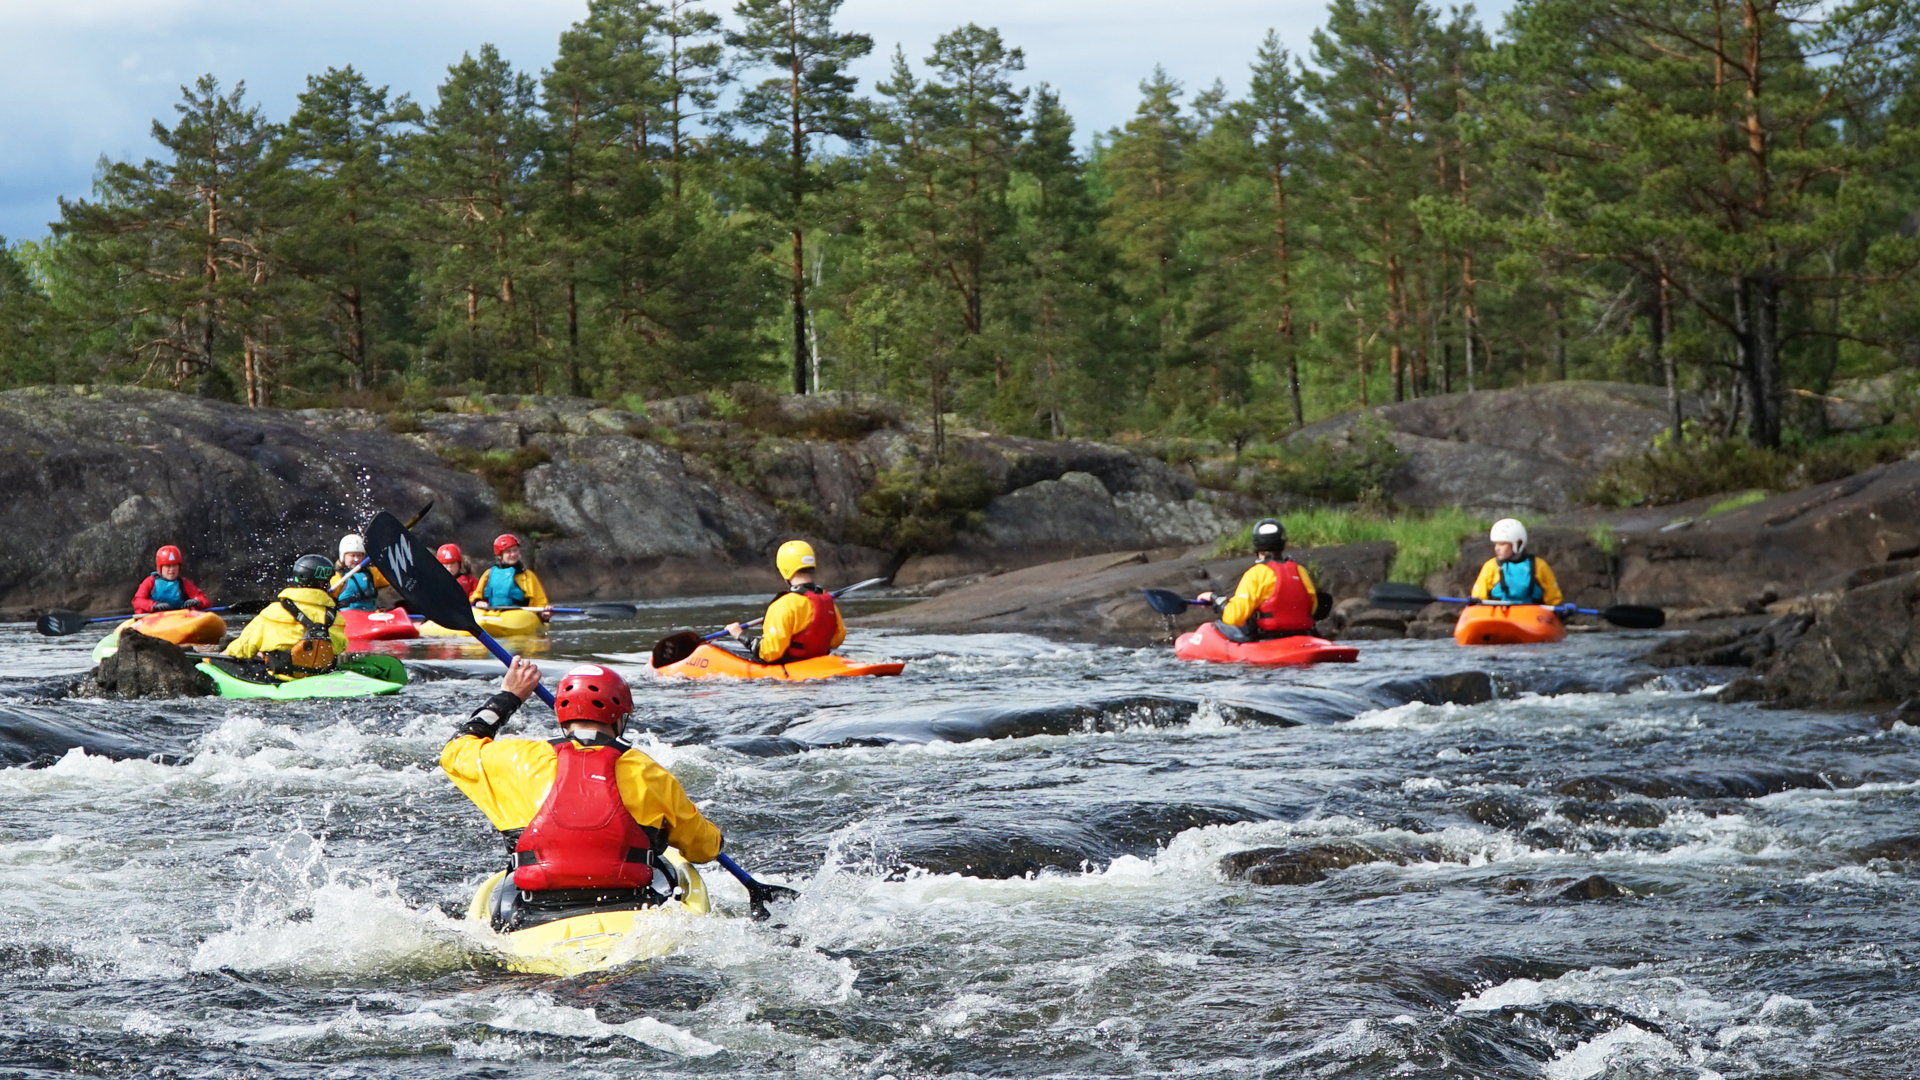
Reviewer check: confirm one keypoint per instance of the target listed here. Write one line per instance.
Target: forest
(1719, 197)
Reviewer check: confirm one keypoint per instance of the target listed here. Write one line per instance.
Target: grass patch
(1424, 542)
(1735, 502)
(1701, 465)
(1604, 538)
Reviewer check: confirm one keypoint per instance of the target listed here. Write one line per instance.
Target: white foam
(1628, 1048)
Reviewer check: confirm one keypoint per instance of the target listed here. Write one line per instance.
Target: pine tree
(811, 98)
(336, 211)
(1147, 213)
(169, 244)
(1708, 152)
(474, 167)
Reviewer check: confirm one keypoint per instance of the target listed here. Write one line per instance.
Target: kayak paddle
(366, 563)
(591, 611)
(433, 592)
(1394, 594)
(1168, 602)
(63, 623)
(677, 647)
(429, 589)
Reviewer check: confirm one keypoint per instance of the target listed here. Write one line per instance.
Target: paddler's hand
(196, 603)
(1205, 597)
(521, 677)
(735, 629)
(479, 605)
(546, 614)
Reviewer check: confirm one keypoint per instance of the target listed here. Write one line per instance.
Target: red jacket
(143, 596)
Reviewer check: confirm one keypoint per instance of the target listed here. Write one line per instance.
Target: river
(227, 889)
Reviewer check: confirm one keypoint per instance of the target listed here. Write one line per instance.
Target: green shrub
(504, 471)
(1355, 469)
(917, 511)
(1702, 464)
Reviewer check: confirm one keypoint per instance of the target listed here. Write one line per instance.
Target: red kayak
(1207, 643)
(393, 625)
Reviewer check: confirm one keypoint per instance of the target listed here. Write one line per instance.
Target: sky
(82, 79)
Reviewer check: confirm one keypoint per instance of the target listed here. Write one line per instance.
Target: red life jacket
(817, 638)
(583, 836)
(1288, 609)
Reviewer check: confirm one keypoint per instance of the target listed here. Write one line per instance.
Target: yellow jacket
(1255, 586)
(523, 577)
(1543, 575)
(275, 628)
(508, 779)
(786, 617)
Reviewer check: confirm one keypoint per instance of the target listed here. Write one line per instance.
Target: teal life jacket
(168, 595)
(357, 592)
(501, 590)
(1517, 584)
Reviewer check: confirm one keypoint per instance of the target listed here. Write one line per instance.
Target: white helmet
(352, 544)
(1510, 531)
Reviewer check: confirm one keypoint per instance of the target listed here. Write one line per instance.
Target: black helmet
(1269, 535)
(313, 571)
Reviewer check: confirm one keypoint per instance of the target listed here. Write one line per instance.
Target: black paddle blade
(1635, 618)
(610, 611)
(675, 648)
(1395, 594)
(1166, 601)
(60, 623)
(248, 607)
(760, 894)
(412, 569)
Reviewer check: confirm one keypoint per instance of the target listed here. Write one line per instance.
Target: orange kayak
(1517, 624)
(709, 660)
(1207, 643)
(186, 627)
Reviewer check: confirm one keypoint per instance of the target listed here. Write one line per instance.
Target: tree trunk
(1757, 318)
(1668, 364)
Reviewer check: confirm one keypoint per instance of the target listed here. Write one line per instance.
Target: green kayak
(359, 675)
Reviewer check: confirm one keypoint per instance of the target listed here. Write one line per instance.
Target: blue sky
(86, 78)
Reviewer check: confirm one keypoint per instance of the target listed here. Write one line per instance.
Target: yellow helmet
(794, 556)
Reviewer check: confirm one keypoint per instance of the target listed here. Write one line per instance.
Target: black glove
(488, 719)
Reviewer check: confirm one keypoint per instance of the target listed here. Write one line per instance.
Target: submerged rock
(1595, 887)
(1749, 784)
(1306, 864)
(149, 667)
(1895, 849)
(1629, 814)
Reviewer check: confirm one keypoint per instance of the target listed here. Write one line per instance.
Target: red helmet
(504, 541)
(166, 556)
(449, 553)
(592, 692)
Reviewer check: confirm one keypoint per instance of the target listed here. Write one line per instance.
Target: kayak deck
(1516, 624)
(596, 941)
(180, 627)
(1208, 644)
(513, 622)
(359, 675)
(709, 660)
(394, 625)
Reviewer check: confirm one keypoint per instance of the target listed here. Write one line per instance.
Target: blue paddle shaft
(501, 654)
(1496, 603)
(733, 868)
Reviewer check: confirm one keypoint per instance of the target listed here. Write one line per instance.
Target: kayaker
(1512, 576)
(299, 634)
(165, 589)
(582, 835)
(1275, 597)
(450, 557)
(802, 622)
(507, 584)
(362, 590)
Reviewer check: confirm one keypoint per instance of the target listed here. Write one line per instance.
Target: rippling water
(1010, 861)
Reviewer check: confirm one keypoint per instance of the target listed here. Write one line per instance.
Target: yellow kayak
(601, 939)
(509, 622)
